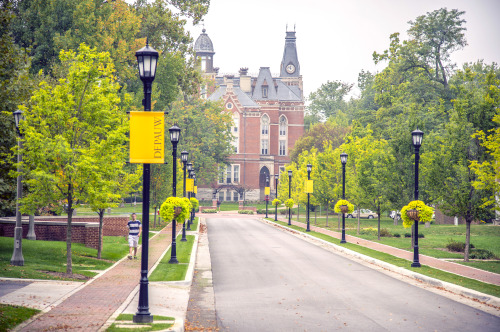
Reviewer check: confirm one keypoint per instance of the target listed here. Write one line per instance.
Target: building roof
(243, 98)
(265, 79)
(204, 44)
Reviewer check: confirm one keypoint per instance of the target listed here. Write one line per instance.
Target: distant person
(134, 231)
(218, 205)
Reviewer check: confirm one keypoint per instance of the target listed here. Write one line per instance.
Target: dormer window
(264, 91)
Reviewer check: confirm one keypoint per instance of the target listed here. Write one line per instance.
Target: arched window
(264, 134)
(264, 124)
(283, 125)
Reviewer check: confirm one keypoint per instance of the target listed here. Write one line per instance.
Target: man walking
(134, 231)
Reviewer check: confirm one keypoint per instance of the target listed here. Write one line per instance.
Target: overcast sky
(335, 39)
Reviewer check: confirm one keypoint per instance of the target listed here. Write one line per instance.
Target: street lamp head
(189, 166)
(343, 158)
(191, 173)
(267, 180)
(417, 136)
(18, 117)
(147, 57)
(290, 173)
(184, 156)
(175, 133)
(276, 177)
(309, 168)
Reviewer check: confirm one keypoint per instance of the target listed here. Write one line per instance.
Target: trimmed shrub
(245, 211)
(262, 211)
(385, 232)
(457, 246)
(481, 254)
(421, 235)
(396, 235)
(407, 234)
(210, 211)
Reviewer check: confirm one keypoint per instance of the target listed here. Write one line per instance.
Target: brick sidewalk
(463, 270)
(89, 308)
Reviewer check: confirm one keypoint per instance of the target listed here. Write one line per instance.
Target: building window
(282, 147)
(283, 125)
(229, 106)
(228, 174)
(264, 91)
(264, 146)
(236, 173)
(228, 195)
(282, 169)
(235, 196)
(265, 125)
(236, 121)
(221, 174)
(203, 63)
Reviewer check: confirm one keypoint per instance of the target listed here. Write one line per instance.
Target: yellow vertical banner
(147, 138)
(267, 191)
(190, 185)
(308, 187)
(195, 189)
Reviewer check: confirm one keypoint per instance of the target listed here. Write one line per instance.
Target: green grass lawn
(436, 237)
(11, 316)
(159, 323)
(425, 270)
(42, 256)
(174, 272)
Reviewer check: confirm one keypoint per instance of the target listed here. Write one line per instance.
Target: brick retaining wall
(84, 230)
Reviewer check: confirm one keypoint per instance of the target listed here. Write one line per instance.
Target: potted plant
(289, 203)
(276, 202)
(343, 206)
(175, 208)
(195, 203)
(416, 211)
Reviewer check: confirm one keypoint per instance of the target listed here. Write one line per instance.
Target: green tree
(316, 137)
(14, 87)
(450, 180)
(69, 129)
(328, 100)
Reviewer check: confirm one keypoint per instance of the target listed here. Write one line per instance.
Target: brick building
(268, 116)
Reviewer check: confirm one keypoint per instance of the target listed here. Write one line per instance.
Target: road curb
(487, 299)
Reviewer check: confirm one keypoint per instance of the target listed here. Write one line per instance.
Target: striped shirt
(133, 226)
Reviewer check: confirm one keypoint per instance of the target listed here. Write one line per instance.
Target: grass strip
(134, 328)
(424, 269)
(130, 317)
(174, 272)
(12, 315)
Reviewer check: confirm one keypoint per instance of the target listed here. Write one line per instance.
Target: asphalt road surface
(268, 280)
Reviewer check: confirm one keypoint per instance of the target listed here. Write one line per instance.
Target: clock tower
(290, 67)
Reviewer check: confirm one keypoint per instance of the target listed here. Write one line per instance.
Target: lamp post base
(143, 318)
(17, 256)
(415, 264)
(343, 241)
(184, 232)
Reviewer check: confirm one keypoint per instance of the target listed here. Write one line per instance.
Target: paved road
(268, 280)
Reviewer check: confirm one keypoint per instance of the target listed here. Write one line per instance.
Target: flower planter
(177, 210)
(344, 208)
(412, 214)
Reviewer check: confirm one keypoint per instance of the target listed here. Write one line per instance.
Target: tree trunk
(378, 214)
(69, 261)
(359, 214)
(315, 215)
(326, 215)
(338, 227)
(154, 223)
(413, 235)
(467, 240)
(101, 221)
(298, 212)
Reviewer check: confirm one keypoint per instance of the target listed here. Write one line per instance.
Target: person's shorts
(133, 240)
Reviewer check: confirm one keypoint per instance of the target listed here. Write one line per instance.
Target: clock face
(290, 69)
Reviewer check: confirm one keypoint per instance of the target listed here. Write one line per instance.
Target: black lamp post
(417, 136)
(17, 256)
(193, 212)
(147, 58)
(190, 176)
(276, 178)
(309, 169)
(343, 160)
(267, 196)
(289, 196)
(184, 159)
(175, 133)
